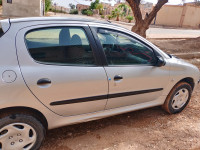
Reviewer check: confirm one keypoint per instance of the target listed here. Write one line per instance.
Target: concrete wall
(169, 15)
(22, 8)
(179, 16)
(192, 17)
(63, 9)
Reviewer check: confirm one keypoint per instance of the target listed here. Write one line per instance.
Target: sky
(65, 3)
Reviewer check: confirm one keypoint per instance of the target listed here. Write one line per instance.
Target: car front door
(131, 68)
(60, 67)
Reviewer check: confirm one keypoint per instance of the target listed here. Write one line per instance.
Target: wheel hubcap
(180, 98)
(17, 136)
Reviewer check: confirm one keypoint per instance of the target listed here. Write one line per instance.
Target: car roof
(32, 19)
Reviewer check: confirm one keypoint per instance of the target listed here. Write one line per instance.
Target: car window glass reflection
(60, 45)
(123, 50)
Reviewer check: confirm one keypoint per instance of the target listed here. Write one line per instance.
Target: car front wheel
(178, 98)
(19, 132)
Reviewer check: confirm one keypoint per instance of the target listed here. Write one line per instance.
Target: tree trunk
(141, 25)
(117, 18)
(139, 29)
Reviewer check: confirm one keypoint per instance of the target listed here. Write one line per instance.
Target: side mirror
(160, 61)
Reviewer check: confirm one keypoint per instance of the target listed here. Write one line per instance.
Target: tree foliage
(121, 11)
(129, 18)
(141, 25)
(124, 8)
(116, 13)
(84, 11)
(94, 4)
(0, 2)
(100, 8)
(72, 6)
(89, 12)
(48, 4)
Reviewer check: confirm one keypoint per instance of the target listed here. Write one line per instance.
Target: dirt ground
(145, 129)
(178, 45)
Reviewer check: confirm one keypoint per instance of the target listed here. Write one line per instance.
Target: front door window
(121, 49)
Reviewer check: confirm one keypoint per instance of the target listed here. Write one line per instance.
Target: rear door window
(1, 30)
(60, 45)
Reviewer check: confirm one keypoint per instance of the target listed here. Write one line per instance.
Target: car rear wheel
(178, 98)
(19, 132)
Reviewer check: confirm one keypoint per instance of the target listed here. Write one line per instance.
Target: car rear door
(132, 74)
(60, 66)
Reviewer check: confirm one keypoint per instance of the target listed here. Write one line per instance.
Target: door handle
(43, 81)
(118, 77)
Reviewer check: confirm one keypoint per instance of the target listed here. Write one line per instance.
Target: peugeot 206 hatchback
(61, 71)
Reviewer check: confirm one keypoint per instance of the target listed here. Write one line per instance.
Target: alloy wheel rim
(180, 98)
(17, 136)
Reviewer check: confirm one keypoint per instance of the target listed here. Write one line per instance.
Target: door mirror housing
(160, 61)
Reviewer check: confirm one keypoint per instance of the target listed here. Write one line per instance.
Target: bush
(110, 17)
(89, 12)
(130, 18)
(56, 10)
(102, 16)
(84, 11)
(73, 11)
(48, 4)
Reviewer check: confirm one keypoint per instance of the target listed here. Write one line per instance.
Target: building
(80, 7)
(23, 8)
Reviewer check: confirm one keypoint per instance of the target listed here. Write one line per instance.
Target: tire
(21, 131)
(178, 98)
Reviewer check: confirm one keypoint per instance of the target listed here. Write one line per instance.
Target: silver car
(62, 71)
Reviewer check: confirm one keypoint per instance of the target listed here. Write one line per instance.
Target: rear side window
(60, 45)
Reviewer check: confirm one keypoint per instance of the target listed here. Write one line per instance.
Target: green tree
(117, 13)
(48, 4)
(124, 9)
(0, 2)
(129, 18)
(100, 8)
(94, 4)
(72, 6)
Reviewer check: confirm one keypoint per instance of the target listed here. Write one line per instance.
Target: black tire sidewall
(33, 122)
(186, 86)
